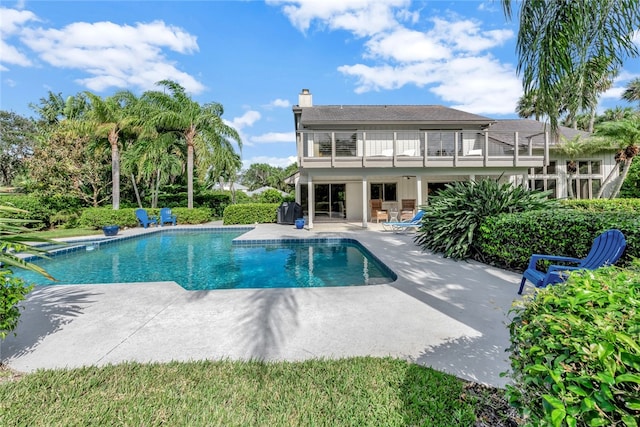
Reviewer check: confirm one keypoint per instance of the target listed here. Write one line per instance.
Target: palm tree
(623, 135)
(108, 118)
(225, 168)
(198, 126)
(632, 91)
(572, 149)
(572, 44)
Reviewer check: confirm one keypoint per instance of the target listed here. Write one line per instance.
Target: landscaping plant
(452, 219)
(12, 289)
(575, 351)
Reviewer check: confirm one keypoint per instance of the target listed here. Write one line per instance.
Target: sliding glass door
(330, 201)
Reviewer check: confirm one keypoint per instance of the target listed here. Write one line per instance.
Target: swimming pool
(204, 260)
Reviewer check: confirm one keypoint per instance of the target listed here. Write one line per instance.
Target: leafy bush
(12, 291)
(452, 219)
(33, 209)
(604, 205)
(575, 352)
(250, 213)
(631, 186)
(217, 201)
(508, 240)
(270, 196)
(99, 217)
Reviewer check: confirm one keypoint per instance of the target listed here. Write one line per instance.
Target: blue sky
(254, 57)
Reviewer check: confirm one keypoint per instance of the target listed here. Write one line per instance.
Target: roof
(388, 114)
(533, 129)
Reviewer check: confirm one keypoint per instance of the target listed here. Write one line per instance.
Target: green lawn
(362, 391)
(61, 233)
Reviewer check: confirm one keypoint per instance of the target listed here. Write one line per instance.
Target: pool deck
(449, 315)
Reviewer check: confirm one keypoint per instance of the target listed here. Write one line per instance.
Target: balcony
(411, 149)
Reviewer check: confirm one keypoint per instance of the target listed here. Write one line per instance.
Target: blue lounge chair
(144, 219)
(398, 226)
(166, 216)
(607, 248)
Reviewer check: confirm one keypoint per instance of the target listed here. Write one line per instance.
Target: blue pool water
(201, 260)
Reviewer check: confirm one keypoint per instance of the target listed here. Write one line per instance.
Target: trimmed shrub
(575, 351)
(454, 215)
(270, 196)
(508, 240)
(99, 217)
(36, 210)
(604, 205)
(217, 201)
(250, 213)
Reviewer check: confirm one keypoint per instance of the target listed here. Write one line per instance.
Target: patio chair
(607, 248)
(408, 209)
(144, 219)
(377, 212)
(403, 226)
(167, 216)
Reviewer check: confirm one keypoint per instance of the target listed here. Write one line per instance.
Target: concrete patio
(449, 315)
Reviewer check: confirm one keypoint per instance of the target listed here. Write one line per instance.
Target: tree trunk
(135, 189)
(607, 180)
(570, 194)
(157, 192)
(190, 176)
(115, 169)
(623, 175)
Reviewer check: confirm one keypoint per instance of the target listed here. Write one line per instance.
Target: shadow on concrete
(271, 316)
(46, 310)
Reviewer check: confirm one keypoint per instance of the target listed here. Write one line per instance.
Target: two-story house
(349, 155)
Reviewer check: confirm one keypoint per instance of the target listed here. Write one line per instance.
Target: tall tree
(107, 118)
(198, 126)
(572, 44)
(17, 138)
(632, 91)
(623, 135)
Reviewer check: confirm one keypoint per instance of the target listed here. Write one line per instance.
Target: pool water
(203, 260)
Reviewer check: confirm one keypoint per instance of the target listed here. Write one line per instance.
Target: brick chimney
(304, 99)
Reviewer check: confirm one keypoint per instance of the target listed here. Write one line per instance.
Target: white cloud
(12, 21)
(361, 17)
(281, 162)
(114, 55)
(246, 120)
(451, 58)
(275, 137)
(281, 103)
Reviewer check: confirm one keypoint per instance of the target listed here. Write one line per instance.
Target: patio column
(365, 203)
(419, 190)
(311, 201)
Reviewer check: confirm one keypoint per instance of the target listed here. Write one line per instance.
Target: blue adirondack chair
(167, 216)
(144, 219)
(607, 248)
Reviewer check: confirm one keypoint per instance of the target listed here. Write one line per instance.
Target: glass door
(330, 201)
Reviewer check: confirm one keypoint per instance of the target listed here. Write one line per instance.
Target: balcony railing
(421, 149)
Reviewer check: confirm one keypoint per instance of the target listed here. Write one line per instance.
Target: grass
(60, 233)
(363, 391)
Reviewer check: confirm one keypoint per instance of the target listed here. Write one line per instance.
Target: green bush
(217, 201)
(575, 351)
(250, 213)
(12, 291)
(36, 210)
(508, 240)
(99, 217)
(452, 219)
(270, 196)
(604, 205)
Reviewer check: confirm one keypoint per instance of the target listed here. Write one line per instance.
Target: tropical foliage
(575, 353)
(16, 144)
(12, 289)
(569, 51)
(452, 220)
(624, 136)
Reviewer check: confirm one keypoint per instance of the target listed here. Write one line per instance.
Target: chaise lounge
(403, 226)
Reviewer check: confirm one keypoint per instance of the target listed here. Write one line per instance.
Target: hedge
(36, 211)
(575, 351)
(508, 240)
(99, 217)
(604, 205)
(250, 213)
